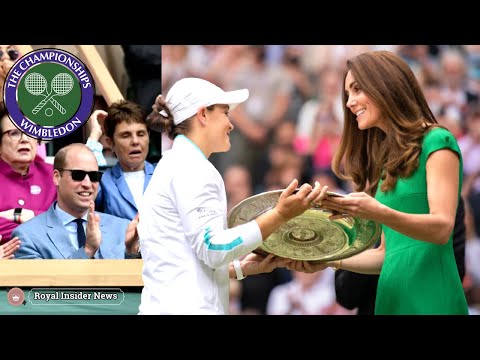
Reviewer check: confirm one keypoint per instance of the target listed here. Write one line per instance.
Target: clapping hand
(132, 244)
(8, 249)
(93, 235)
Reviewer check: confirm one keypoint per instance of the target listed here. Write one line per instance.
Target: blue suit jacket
(45, 237)
(114, 196)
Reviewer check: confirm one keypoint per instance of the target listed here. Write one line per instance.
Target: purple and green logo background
(49, 93)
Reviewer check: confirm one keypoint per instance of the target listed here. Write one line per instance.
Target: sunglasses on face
(12, 53)
(79, 175)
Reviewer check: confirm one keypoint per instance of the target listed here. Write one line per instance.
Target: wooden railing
(69, 272)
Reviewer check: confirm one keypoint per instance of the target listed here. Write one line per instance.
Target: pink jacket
(34, 191)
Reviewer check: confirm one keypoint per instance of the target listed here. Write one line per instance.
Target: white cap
(188, 95)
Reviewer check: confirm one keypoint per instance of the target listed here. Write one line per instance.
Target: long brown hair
(365, 156)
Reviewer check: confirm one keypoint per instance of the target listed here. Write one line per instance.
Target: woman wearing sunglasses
(26, 182)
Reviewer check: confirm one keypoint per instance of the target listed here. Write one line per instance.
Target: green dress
(419, 277)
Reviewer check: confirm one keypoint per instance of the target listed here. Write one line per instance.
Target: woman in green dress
(407, 171)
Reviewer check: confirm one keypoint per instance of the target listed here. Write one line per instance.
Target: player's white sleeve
(199, 203)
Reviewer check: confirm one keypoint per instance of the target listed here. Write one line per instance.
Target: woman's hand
(94, 129)
(306, 267)
(257, 264)
(293, 202)
(357, 204)
(8, 249)
(132, 243)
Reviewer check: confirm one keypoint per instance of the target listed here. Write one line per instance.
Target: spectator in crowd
(256, 290)
(121, 188)
(270, 88)
(26, 180)
(471, 282)
(143, 65)
(238, 185)
(470, 146)
(8, 56)
(59, 233)
(306, 294)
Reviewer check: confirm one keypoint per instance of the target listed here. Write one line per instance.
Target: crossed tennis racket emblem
(61, 85)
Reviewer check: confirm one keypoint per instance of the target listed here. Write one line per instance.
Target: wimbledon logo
(49, 93)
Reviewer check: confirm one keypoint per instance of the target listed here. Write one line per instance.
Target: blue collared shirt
(71, 227)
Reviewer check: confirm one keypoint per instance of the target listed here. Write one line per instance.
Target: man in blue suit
(70, 228)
